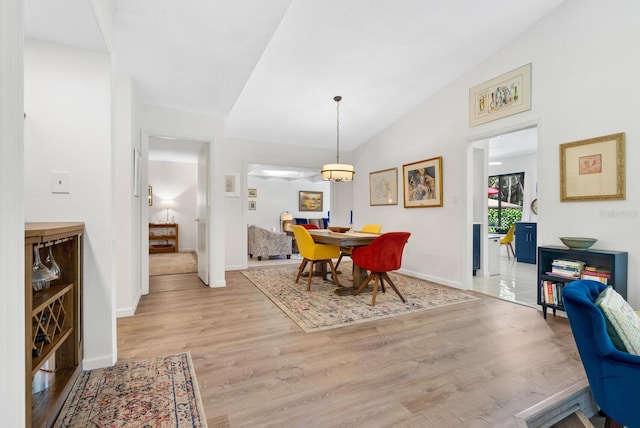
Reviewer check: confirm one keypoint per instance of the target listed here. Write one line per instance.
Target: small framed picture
(252, 205)
(231, 185)
(252, 193)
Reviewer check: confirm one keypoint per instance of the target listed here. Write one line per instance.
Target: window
(506, 196)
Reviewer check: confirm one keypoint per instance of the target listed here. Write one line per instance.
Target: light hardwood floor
(470, 365)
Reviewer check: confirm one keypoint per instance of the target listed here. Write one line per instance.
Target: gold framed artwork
(593, 169)
(502, 96)
(383, 187)
(252, 193)
(422, 183)
(309, 201)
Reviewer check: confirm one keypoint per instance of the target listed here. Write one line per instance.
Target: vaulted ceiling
(272, 68)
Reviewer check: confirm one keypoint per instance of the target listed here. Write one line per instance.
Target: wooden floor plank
(470, 365)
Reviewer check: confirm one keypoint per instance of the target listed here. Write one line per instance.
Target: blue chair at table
(614, 375)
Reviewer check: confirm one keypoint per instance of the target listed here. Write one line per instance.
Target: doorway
(177, 178)
(512, 153)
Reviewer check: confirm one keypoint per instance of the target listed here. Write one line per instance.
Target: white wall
(582, 67)
(68, 128)
(12, 293)
(175, 181)
(276, 195)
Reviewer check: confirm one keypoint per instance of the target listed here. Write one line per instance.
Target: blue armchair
(614, 375)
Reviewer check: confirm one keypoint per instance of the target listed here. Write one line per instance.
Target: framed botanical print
(383, 187)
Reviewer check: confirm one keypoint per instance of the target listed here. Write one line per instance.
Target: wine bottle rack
(52, 319)
(51, 324)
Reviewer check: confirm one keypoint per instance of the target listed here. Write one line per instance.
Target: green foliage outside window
(509, 216)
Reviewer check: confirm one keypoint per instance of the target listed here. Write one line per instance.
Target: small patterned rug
(158, 392)
(321, 309)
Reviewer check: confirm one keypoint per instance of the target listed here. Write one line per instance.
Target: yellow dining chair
(312, 252)
(507, 240)
(367, 228)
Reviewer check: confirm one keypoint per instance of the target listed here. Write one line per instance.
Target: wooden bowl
(338, 229)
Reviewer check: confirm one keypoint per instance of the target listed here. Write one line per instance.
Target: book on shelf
(551, 292)
(569, 268)
(596, 274)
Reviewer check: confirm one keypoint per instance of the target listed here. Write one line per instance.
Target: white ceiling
(273, 67)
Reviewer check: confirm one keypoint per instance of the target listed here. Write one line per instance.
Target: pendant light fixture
(337, 171)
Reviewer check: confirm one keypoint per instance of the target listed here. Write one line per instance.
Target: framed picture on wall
(507, 94)
(383, 187)
(252, 193)
(231, 185)
(593, 169)
(309, 201)
(422, 183)
(252, 205)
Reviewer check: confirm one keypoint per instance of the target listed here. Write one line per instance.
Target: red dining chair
(367, 228)
(383, 255)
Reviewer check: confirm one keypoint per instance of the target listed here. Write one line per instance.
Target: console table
(163, 238)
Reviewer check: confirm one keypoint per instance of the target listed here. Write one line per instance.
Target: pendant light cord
(337, 99)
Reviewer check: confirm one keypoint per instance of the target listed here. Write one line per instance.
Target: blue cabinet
(476, 248)
(526, 242)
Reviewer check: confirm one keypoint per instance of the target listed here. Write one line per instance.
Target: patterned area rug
(322, 309)
(157, 392)
(172, 263)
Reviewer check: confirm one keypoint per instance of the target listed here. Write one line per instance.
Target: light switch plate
(59, 182)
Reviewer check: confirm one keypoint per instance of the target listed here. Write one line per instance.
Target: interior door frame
(144, 211)
(472, 145)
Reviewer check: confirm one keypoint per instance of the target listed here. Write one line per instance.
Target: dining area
(373, 255)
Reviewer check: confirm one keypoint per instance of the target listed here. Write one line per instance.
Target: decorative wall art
(593, 169)
(503, 96)
(252, 205)
(422, 183)
(383, 187)
(310, 201)
(252, 193)
(231, 185)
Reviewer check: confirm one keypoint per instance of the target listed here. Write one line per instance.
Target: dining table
(345, 239)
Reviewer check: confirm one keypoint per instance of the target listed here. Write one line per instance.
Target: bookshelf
(614, 261)
(163, 238)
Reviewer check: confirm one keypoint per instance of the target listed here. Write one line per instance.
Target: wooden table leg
(359, 275)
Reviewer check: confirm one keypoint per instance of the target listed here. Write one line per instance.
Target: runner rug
(321, 309)
(155, 392)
